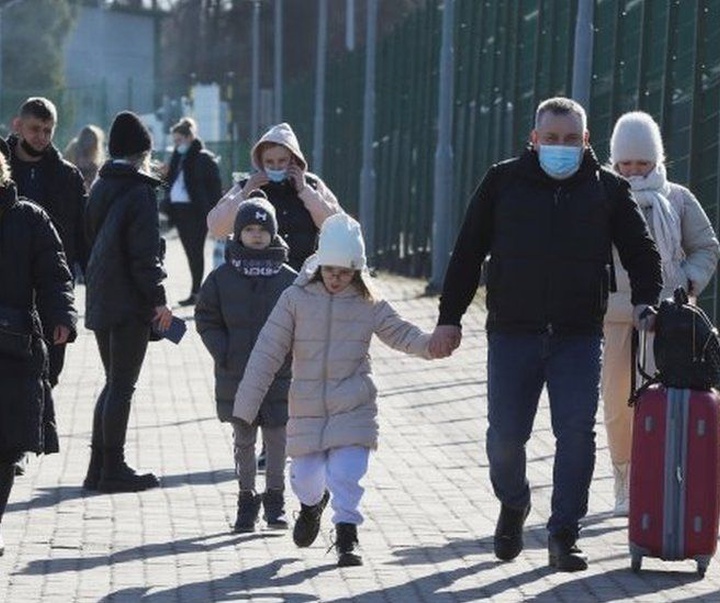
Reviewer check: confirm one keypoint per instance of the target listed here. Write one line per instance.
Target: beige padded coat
(698, 241)
(332, 398)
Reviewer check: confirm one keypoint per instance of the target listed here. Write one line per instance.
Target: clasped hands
(444, 340)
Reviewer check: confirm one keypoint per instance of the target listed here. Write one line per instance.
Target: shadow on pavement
(254, 584)
(194, 544)
(49, 497)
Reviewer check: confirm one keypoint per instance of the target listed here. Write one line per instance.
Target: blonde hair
(185, 127)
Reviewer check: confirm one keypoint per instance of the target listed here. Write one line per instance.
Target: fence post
(319, 126)
(367, 173)
(582, 57)
(255, 85)
(443, 171)
(278, 38)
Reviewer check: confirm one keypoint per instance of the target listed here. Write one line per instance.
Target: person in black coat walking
(125, 295)
(36, 291)
(194, 182)
(42, 175)
(548, 220)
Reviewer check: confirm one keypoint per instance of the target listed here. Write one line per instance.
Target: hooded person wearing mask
(301, 199)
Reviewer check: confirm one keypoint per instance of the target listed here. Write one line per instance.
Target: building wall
(110, 65)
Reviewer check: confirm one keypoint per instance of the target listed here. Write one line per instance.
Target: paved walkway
(430, 511)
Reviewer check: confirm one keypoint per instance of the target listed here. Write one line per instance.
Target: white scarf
(650, 191)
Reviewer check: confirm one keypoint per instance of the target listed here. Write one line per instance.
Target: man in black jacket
(43, 176)
(548, 220)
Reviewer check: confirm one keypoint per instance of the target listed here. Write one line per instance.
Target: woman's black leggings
(122, 350)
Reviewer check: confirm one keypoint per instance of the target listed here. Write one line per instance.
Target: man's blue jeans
(518, 367)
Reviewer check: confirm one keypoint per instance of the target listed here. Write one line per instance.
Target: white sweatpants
(340, 471)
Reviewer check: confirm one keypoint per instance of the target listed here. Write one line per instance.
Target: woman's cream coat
(332, 399)
(699, 244)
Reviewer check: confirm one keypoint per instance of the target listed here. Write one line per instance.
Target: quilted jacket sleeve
(144, 248)
(273, 344)
(53, 282)
(699, 241)
(209, 321)
(398, 333)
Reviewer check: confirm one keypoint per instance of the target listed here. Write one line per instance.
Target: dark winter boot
(307, 524)
(274, 506)
(564, 553)
(346, 545)
(116, 476)
(94, 469)
(248, 508)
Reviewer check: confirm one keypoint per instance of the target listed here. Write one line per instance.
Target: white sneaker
(621, 473)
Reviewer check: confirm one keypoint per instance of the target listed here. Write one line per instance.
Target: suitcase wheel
(702, 566)
(636, 563)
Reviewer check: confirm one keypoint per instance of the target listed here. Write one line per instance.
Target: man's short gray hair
(560, 105)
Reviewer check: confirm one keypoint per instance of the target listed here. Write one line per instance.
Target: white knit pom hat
(636, 137)
(341, 243)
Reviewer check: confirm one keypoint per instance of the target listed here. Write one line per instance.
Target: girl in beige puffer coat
(689, 252)
(327, 319)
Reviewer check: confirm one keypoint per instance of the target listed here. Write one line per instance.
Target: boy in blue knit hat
(233, 304)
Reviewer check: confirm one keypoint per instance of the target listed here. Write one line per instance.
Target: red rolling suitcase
(675, 475)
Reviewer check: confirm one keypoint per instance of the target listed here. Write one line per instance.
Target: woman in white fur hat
(301, 199)
(327, 319)
(689, 252)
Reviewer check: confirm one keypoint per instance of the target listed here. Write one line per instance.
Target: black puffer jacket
(295, 224)
(64, 200)
(231, 311)
(549, 243)
(202, 177)
(36, 286)
(125, 271)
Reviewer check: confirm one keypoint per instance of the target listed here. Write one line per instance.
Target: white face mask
(558, 161)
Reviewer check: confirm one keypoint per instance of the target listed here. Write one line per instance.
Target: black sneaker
(508, 541)
(248, 508)
(563, 552)
(307, 524)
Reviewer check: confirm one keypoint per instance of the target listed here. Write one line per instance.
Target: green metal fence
(661, 57)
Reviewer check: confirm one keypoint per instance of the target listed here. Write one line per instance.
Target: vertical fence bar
(443, 172)
(582, 57)
(367, 173)
(278, 63)
(319, 127)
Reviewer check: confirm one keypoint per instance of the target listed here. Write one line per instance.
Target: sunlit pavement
(430, 513)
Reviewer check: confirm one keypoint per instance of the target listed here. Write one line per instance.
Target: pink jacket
(332, 399)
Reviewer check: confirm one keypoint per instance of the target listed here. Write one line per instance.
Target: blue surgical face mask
(559, 161)
(183, 148)
(276, 175)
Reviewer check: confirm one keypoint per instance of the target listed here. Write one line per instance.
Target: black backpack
(687, 347)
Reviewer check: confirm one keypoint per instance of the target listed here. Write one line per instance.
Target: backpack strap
(638, 366)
